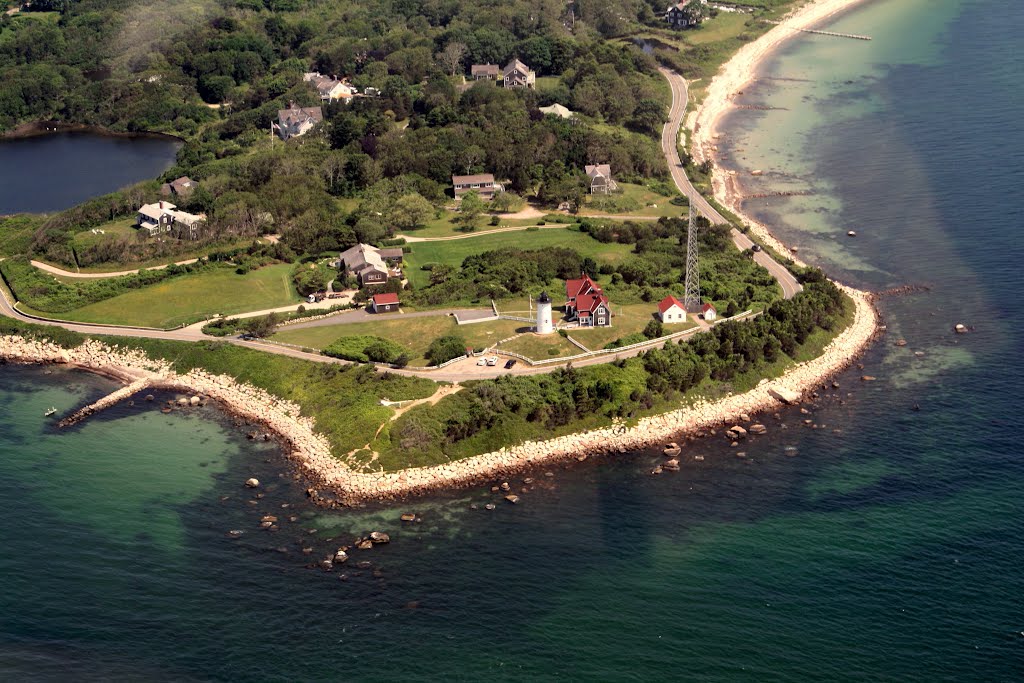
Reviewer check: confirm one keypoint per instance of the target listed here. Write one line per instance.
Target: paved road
(362, 316)
(669, 146)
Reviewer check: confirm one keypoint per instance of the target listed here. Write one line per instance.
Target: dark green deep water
(890, 549)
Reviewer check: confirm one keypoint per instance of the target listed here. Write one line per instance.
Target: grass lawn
(635, 200)
(453, 252)
(414, 334)
(446, 227)
(626, 319)
(190, 298)
(541, 347)
(547, 83)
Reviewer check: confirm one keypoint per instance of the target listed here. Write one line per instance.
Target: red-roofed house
(709, 312)
(384, 303)
(672, 310)
(586, 303)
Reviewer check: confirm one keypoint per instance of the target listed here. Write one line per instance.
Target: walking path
(54, 270)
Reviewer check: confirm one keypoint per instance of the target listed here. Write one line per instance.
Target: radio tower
(692, 299)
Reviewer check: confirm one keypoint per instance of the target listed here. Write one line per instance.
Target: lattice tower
(692, 299)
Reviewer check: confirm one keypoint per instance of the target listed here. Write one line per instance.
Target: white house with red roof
(709, 312)
(384, 303)
(586, 303)
(671, 310)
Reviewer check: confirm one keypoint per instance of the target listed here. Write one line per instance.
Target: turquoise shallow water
(884, 544)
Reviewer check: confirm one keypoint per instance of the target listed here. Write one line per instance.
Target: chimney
(161, 204)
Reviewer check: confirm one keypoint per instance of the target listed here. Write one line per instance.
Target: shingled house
(482, 183)
(586, 303)
(686, 13)
(296, 121)
(180, 187)
(481, 72)
(600, 178)
(368, 264)
(328, 88)
(163, 218)
(518, 75)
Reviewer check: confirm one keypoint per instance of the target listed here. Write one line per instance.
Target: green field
(414, 334)
(453, 252)
(538, 347)
(627, 319)
(190, 298)
(633, 200)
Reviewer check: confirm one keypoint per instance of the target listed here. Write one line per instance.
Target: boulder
(901, 342)
(673, 449)
(787, 396)
(490, 506)
(365, 544)
(195, 400)
(378, 537)
(867, 378)
(671, 465)
(736, 432)
(252, 482)
(512, 498)
(758, 429)
(182, 401)
(340, 556)
(960, 328)
(408, 517)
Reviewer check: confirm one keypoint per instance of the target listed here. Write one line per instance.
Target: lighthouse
(544, 325)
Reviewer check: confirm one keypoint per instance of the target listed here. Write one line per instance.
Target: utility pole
(691, 301)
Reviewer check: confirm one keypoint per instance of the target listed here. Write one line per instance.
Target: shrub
(445, 348)
(365, 348)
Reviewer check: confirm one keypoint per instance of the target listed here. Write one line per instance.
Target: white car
(482, 361)
(493, 360)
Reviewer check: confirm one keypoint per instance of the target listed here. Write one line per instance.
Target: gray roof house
(367, 263)
(164, 218)
(179, 187)
(480, 72)
(518, 75)
(600, 178)
(296, 121)
(482, 183)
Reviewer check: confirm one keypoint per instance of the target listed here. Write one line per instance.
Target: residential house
(384, 303)
(164, 218)
(180, 187)
(296, 121)
(558, 110)
(518, 75)
(586, 303)
(483, 183)
(481, 72)
(685, 13)
(366, 264)
(600, 178)
(709, 312)
(328, 88)
(671, 310)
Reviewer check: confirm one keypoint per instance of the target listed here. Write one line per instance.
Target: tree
(451, 56)
(470, 210)
(379, 351)
(654, 329)
(411, 211)
(506, 202)
(445, 348)
(262, 326)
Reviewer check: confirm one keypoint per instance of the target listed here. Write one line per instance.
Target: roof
(473, 179)
(668, 302)
(155, 211)
(394, 252)
(558, 110)
(574, 288)
(485, 69)
(299, 114)
(386, 298)
(595, 170)
(543, 298)
(588, 303)
(516, 65)
(182, 184)
(362, 256)
(708, 307)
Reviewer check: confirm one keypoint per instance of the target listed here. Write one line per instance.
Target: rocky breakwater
(651, 431)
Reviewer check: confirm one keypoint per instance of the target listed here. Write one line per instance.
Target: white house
(296, 121)
(328, 88)
(709, 312)
(164, 218)
(671, 310)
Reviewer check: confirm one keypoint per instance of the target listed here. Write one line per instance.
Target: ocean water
(881, 542)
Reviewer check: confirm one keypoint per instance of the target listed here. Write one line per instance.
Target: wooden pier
(834, 34)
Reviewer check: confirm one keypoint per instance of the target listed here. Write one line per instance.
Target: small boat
(50, 412)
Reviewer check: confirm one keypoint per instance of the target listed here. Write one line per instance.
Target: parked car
(510, 363)
(481, 361)
(492, 361)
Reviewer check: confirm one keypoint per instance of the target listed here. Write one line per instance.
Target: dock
(834, 34)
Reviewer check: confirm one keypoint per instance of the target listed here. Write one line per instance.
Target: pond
(56, 171)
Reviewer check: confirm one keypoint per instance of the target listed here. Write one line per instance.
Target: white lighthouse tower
(544, 325)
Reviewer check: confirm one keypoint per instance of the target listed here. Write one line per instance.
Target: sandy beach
(734, 77)
(334, 483)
